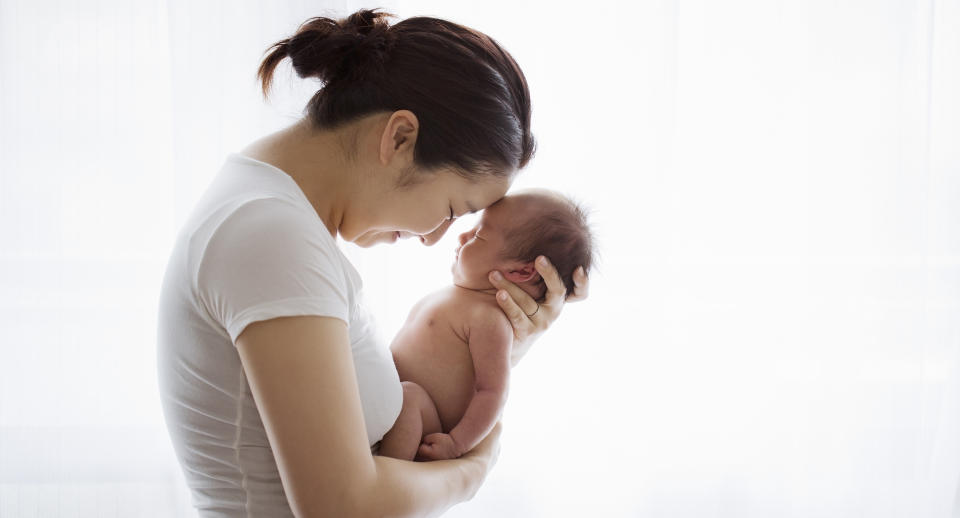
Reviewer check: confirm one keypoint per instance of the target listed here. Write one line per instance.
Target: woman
(274, 390)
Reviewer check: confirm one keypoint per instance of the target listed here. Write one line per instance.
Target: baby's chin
(472, 284)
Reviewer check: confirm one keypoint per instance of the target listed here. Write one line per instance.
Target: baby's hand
(439, 446)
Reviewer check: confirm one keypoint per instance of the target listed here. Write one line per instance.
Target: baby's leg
(418, 417)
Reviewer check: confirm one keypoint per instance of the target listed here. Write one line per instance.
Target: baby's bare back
(431, 350)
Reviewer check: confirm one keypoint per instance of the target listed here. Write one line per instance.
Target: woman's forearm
(404, 488)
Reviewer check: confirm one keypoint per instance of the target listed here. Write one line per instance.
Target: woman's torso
(214, 424)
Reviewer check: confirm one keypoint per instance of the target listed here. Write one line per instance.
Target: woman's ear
(399, 137)
(522, 273)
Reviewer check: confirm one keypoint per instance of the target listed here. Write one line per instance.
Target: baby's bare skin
(453, 353)
(432, 349)
(456, 345)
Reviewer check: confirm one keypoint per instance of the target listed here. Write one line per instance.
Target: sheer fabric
(772, 329)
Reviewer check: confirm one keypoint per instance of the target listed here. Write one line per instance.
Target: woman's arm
(529, 318)
(301, 373)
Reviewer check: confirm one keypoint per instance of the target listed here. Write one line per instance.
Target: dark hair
(469, 95)
(559, 230)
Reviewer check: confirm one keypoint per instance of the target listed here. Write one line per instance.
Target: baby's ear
(522, 273)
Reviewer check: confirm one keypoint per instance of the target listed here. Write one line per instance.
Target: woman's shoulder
(263, 147)
(272, 227)
(245, 185)
(268, 259)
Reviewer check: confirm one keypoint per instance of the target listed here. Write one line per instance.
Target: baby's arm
(490, 338)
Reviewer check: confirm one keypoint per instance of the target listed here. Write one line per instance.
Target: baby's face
(481, 248)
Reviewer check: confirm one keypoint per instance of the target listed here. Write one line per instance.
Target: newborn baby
(453, 352)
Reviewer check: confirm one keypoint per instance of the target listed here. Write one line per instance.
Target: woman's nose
(436, 234)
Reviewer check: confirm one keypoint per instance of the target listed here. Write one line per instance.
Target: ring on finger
(534, 311)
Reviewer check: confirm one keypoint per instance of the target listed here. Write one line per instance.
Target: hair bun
(468, 93)
(347, 50)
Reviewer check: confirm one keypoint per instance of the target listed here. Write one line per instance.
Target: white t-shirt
(252, 249)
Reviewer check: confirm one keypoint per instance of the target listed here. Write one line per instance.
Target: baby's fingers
(432, 452)
(427, 451)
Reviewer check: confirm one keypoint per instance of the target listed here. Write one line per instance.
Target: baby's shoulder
(437, 298)
(487, 315)
(465, 305)
(490, 311)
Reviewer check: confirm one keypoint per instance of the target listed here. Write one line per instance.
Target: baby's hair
(559, 230)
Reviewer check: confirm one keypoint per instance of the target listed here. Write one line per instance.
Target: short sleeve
(270, 258)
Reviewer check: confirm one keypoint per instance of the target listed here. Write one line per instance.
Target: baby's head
(513, 232)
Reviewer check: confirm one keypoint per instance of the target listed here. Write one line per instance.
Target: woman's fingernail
(502, 295)
(542, 261)
(496, 276)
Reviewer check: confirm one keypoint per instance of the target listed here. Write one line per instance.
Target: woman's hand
(528, 318)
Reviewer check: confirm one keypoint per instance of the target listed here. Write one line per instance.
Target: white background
(773, 329)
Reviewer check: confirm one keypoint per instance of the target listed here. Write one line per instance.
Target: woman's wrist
(423, 489)
(474, 468)
(482, 458)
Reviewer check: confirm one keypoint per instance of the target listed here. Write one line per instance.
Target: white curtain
(773, 329)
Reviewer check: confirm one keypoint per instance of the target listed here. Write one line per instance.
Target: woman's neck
(317, 161)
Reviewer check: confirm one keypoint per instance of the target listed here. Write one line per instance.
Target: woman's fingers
(518, 298)
(528, 317)
(555, 289)
(581, 286)
(518, 319)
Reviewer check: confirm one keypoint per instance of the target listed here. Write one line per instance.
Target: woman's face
(423, 209)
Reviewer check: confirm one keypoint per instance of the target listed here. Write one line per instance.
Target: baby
(453, 352)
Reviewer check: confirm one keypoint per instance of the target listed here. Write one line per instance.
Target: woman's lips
(403, 234)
